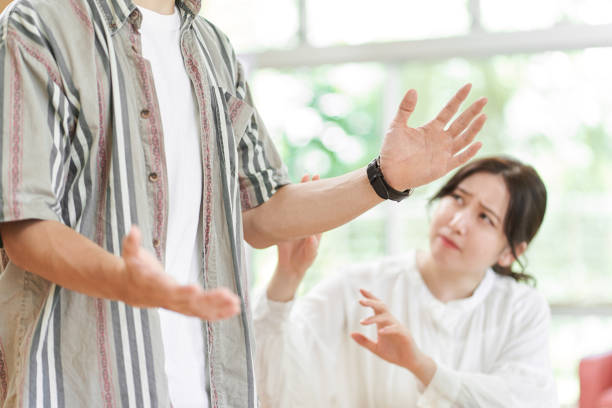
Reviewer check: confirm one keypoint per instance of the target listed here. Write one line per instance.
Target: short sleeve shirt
(82, 144)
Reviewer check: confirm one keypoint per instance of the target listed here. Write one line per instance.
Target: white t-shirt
(182, 336)
(491, 348)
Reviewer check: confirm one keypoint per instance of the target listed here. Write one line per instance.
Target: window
(328, 90)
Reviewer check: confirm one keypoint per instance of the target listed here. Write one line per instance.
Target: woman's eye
(457, 197)
(486, 218)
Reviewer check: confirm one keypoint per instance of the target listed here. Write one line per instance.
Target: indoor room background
(327, 77)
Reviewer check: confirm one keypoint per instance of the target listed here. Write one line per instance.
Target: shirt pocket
(238, 114)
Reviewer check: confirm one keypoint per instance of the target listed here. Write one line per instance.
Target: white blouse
(491, 349)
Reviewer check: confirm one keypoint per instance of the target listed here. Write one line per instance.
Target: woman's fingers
(364, 341)
(381, 320)
(313, 242)
(390, 330)
(376, 305)
(367, 294)
(306, 177)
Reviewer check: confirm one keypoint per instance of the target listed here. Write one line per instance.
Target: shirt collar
(465, 304)
(446, 315)
(117, 12)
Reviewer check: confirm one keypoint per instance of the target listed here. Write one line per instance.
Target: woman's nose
(460, 222)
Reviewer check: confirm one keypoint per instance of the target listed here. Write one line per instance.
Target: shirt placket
(151, 132)
(200, 85)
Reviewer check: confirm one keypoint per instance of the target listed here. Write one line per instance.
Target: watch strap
(380, 186)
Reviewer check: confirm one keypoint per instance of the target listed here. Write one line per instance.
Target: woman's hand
(294, 259)
(394, 344)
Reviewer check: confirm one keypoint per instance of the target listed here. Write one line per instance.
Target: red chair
(595, 374)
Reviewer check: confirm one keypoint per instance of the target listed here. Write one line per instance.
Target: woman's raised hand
(294, 259)
(395, 343)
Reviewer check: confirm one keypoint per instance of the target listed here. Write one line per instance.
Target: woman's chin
(446, 257)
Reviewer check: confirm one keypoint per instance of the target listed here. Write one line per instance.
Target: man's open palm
(147, 285)
(411, 157)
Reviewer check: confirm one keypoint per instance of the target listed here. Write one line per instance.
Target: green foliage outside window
(547, 109)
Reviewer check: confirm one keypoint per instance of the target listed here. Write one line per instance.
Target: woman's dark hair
(526, 207)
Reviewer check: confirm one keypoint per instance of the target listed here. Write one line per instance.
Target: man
(108, 122)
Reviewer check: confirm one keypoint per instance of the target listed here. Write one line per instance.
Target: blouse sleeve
(521, 376)
(299, 340)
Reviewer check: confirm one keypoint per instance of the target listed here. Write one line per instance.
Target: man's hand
(412, 157)
(409, 157)
(395, 344)
(294, 258)
(147, 285)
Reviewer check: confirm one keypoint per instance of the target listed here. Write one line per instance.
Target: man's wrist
(118, 287)
(380, 185)
(386, 166)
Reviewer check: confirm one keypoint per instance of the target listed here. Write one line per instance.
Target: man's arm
(30, 95)
(409, 157)
(61, 255)
(298, 210)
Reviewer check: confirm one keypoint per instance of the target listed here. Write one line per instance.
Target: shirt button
(145, 113)
(153, 177)
(156, 242)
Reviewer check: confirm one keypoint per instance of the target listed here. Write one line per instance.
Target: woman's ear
(506, 258)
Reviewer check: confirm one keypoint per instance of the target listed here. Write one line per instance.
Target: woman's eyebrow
(487, 209)
(464, 191)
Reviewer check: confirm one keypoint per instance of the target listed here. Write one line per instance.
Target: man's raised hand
(411, 157)
(145, 284)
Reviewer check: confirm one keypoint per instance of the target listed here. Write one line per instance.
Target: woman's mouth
(449, 243)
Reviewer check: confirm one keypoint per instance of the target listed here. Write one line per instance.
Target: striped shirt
(82, 144)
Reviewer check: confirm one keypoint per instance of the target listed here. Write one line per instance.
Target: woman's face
(467, 231)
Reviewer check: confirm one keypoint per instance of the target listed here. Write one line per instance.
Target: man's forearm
(63, 256)
(298, 210)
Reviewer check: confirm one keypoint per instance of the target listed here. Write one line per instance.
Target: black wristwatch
(384, 190)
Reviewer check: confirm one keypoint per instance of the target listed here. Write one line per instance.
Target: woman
(454, 326)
